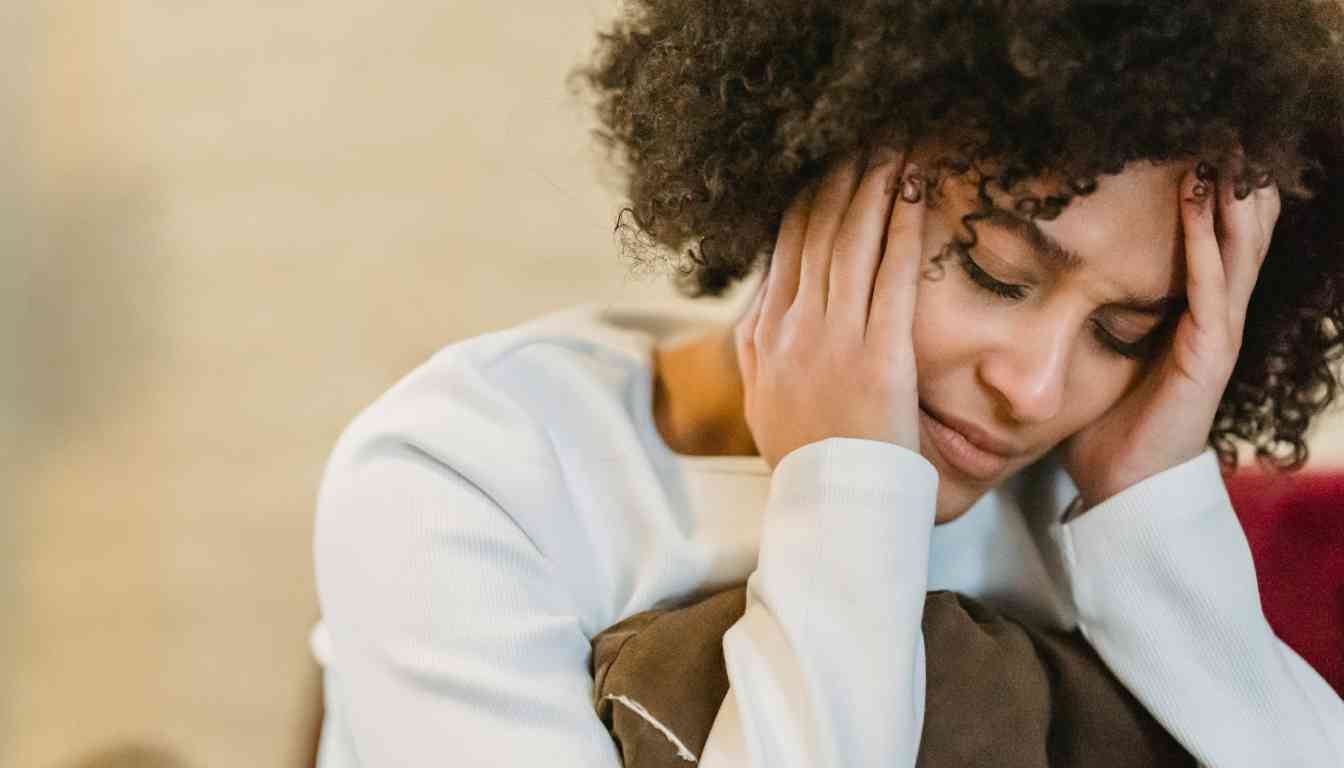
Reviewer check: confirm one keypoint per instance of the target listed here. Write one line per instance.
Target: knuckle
(881, 373)
(745, 335)
(873, 378)
(841, 353)
(791, 332)
(759, 337)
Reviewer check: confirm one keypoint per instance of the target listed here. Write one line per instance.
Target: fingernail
(1199, 192)
(912, 190)
(1205, 172)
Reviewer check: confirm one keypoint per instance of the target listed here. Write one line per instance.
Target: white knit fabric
(511, 497)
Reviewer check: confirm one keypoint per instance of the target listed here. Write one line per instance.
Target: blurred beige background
(227, 227)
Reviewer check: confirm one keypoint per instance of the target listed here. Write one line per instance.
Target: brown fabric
(671, 662)
(997, 691)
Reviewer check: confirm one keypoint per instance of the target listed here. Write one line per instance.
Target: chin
(956, 495)
(944, 516)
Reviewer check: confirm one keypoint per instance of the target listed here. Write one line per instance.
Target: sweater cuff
(845, 469)
(1165, 591)
(845, 509)
(1177, 502)
(847, 528)
(827, 662)
(1197, 481)
(1179, 521)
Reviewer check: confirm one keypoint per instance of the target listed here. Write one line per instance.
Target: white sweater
(511, 498)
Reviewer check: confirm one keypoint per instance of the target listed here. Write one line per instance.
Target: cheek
(1096, 390)
(938, 335)
(1093, 390)
(956, 330)
(933, 335)
(951, 321)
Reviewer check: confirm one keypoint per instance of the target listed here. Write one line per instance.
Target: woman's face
(1033, 364)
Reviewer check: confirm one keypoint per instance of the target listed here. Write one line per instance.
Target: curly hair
(720, 111)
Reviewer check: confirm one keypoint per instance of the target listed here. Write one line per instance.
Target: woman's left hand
(1165, 420)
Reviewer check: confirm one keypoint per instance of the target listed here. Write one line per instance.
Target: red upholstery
(1295, 527)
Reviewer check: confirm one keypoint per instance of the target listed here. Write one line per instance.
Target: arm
(829, 651)
(1165, 590)
(452, 641)
(826, 666)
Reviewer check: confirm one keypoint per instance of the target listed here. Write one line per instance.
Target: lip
(980, 438)
(969, 456)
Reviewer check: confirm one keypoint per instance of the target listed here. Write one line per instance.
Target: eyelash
(981, 278)
(1140, 350)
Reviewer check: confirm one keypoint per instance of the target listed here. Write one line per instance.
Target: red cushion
(1295, 527)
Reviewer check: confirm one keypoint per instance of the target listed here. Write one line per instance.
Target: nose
(1028, 368)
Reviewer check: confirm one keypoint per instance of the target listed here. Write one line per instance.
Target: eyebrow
(1060, 259)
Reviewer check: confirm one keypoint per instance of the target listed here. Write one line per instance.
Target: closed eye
(1149, 346)
(1142, 349)
(983, 279)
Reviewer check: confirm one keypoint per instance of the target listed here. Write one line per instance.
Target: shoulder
(509, 416)
(483, 403)
(489, 446)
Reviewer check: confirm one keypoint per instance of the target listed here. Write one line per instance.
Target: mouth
(965, 447)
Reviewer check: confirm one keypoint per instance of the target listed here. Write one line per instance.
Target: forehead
(1127, 233)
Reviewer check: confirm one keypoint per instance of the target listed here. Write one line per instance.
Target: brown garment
(997, 692)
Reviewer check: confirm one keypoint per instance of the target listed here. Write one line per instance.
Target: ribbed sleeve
(1165, 590)
(826, 666)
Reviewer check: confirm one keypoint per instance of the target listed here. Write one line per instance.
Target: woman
(1073, 300)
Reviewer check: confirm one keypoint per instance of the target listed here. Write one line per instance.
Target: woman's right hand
(825, 350)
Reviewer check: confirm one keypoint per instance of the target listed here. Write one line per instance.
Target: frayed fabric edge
(682, 751)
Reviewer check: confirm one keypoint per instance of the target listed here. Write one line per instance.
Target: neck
(698, 397)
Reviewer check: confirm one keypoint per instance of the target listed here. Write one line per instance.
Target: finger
(896, 287)
(1228, 171)
(781, 279)
(744, 338)
(828, 210)
(858, 244)
(1206, 290)
(1268, 206)
(1244, 232)
(1262, 217)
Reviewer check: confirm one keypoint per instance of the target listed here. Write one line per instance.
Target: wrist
(1090, 494)
(1093, 492)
